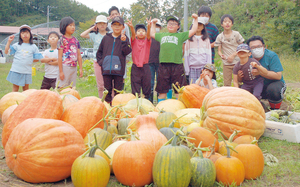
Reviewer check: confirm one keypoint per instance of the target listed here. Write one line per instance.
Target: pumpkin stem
(119, 91)
(105, 92)
(254, 141)
(229, 147)
(212, 149)
(174, 121)
(93, 149)
(235, 132)
(221, 135)
(177, 88)
(228, 151)
(14, 156)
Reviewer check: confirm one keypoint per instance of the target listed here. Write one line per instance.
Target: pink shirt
(140, 51)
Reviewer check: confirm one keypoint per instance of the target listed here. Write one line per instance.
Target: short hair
(64, 23)
(253, 38)
(30, 39)
(204, 9)
(113, 8)
(227, 16)
(53, 32)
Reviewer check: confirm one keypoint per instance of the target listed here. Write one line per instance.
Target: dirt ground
(8, 179)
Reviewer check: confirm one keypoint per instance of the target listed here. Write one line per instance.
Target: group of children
(147, 43)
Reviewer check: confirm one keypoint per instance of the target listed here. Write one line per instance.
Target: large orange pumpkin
(39, 104)
(122, 99)
(205, 136)
(8, 112)
(84, 114)
(192, 95)
(233, 108)
(43, 150)
(10, 99)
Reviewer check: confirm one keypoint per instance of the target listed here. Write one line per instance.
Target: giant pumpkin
(39, 104)
(10, 99)
(233, 108)
(43, 150)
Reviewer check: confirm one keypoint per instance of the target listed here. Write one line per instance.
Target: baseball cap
(117, 19)
(158, 22)
(140, 26)
(171, 17)
(101, 18)
(202, 20)
(243, 47)
(25, 27)
(210, 67)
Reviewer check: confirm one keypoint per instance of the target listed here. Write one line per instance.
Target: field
(286, 173)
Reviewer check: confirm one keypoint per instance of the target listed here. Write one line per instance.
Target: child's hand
(123, 36)
(129, 22)
(254, 64)
(80, 73)
(148, 22)
(11, 38)
(207, 78)
(195, 16)
(230, 59)
(154, 20)
(62, 76)
(240, 74)
(223, 57)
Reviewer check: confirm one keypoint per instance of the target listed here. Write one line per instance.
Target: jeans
(153, 70)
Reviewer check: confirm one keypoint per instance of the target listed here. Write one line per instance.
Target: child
(68, 54)
(207, 78)
(197, 52)
(213, 32)
(96, 33)
(51, 62)
(228, 41)
(171, 68)
(140, 70)
(111, 56)
(154, 58)
(251, 83)
(25, 53)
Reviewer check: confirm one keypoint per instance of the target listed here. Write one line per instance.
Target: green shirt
(171, 46)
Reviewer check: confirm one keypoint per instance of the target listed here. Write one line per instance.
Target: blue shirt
(24, 55)
(213, 32)
(271, 62)
(96, 38)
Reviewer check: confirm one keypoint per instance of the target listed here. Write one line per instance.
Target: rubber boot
(169, 94)
(275, 106)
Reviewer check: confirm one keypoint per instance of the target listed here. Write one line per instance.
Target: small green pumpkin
(104, 138)
(167, 131)
(164, 119)
(122, 125)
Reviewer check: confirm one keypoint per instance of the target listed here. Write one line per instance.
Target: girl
(197, 52)
(207, 78)
(68, 54)
(96, 33)
(25, 54)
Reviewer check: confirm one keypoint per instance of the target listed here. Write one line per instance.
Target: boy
(227, 43)
(140, 70)
(51, 62)
(111, 56)
(212, 30)
(251, 83)
(171, 68)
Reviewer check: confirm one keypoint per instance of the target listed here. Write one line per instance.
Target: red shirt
(140, 51)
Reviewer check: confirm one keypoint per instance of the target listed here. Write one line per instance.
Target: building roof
(39, 31)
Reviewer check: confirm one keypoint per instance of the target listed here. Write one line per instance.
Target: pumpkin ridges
(192, 95)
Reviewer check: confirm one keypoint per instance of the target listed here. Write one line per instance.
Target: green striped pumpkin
(172, 166)
(122, 125)
(164, 119)
(104, 138)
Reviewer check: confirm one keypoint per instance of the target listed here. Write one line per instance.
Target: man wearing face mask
(270, 69)
(154, 58)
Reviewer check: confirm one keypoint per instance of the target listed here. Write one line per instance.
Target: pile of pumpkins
(202, 137)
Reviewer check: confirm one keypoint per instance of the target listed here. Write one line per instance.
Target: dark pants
(48, 83)
(110, 82)
(153, 70)
(141, 78)
(274, 91)
(255, 87)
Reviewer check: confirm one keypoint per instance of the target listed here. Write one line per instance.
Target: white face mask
(205, 19)
(258, 52)
(157, 29)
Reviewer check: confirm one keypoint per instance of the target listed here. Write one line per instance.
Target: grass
(285, 174)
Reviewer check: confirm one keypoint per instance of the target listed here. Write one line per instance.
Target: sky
(104, 5)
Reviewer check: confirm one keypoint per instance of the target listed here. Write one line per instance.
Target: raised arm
(130, 25)
(10, 39)
(153, 28)
(85, 34)
(148, 28)
(195, 25)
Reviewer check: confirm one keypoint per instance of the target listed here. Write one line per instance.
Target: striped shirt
(213, 32)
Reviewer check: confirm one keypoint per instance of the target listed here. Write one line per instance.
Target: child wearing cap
(251, 83)
(171, 68)
(140, 70)
(207, 78)
(25, 53)
(227, 43)
(197, 52)
(96, 34)
(111, 56)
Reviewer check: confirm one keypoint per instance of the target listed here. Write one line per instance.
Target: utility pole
(185, 15)
(48, 12)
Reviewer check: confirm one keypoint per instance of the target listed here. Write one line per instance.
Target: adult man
(270, 69)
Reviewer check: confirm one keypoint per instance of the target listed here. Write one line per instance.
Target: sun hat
(171, 17)
(202, 20)
(243, 47)
(212, 68)
(25, 27)
(101, 18)
(158, 22)
(140, 26)
(117, 19)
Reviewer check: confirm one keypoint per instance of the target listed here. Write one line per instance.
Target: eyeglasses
(172, 24)
(254, 47)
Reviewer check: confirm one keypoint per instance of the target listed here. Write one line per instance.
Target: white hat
(101, 18)
(25, 27)
(203, 20)
(158, 22)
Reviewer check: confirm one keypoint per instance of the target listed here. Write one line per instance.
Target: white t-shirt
(51, 71)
